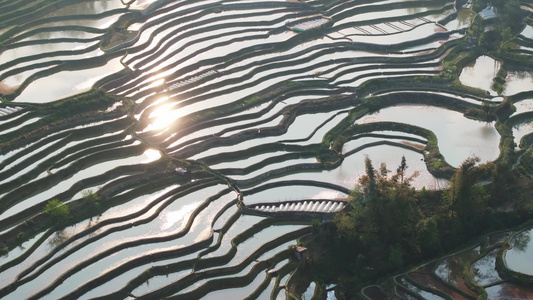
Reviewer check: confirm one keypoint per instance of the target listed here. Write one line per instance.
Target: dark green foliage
(511, 15)
(395, 259)
(464, 195)
(479, 5)
(384, 215)
(495, 35)
(315, 223)
(391, 225)
(92, 198)
(401, 168)
(87, 102)
(490, 41)
(428, 235)
(504, 110)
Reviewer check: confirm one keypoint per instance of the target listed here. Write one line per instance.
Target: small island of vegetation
(391, 226)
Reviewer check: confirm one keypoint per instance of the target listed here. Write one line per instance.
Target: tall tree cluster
(391, 224)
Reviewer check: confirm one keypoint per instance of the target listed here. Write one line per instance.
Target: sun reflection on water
(151, 155)
(157, 82)
(162, 117)
(178, 218)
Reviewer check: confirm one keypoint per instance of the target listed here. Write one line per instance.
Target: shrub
(315, 223)
(56, 208)
(93, 198)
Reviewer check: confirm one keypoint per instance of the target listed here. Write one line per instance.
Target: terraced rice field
(468, 274)
(177, 114)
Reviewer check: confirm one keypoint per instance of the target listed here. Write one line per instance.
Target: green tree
(521, 241)
(428, 235)
(92, 197)
(395, 257)
(487, 109)
(490, 41)
(512, 15)
(384, 212)
(465, 196)
(401, 168)
(369, 180)
(56, 208)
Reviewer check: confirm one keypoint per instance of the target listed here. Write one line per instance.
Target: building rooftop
(488, 13)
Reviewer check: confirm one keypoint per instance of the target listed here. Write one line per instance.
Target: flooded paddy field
(155, 122)
(479, 270)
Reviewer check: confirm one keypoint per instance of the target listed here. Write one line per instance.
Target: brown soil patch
(414, 145)
(7, 89)
(430, 281)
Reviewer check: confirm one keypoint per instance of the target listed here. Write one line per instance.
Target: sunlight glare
(178, 218)
(151, 155)
(163, 117)
(158, 82)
